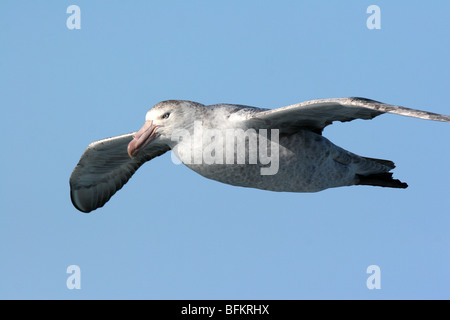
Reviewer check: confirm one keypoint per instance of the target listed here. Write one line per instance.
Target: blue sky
(172, 234)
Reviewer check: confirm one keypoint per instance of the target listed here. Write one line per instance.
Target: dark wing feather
(317, 114)
(104, 168)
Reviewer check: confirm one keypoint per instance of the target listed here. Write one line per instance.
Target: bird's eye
(165, 115)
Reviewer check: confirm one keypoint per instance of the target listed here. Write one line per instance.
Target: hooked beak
(142, 138)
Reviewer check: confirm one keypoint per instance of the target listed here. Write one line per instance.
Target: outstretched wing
(317, 114)
(104, 168)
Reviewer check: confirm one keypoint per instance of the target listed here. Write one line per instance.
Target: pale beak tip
(141, 138)
(131, 149)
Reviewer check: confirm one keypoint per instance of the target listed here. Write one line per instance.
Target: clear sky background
(172, 234)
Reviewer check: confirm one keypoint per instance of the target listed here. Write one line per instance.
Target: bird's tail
(388, 163)
(380, 179)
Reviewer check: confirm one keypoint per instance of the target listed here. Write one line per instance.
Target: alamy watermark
(227, 146)
(74, 20)
(374, 280)
(374, 20)
(74, 280)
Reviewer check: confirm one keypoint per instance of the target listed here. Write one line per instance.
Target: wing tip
(408, 112)
(77, 203)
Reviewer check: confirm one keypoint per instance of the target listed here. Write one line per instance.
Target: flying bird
(231, 144)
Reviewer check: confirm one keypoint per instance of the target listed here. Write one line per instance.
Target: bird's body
(308, 162)
(277, 150)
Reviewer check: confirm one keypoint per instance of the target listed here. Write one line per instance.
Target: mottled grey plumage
(308, 162)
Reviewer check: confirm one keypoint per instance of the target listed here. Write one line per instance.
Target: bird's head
(161, 121)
